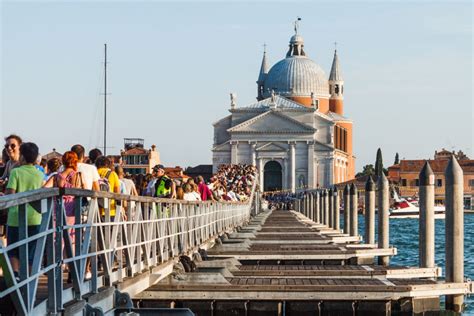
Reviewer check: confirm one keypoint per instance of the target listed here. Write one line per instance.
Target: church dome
(296, 75)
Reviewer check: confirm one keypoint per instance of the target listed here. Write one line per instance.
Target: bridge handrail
(7, 201)
(144, 233)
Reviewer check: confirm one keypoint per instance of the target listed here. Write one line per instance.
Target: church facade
(296, 132)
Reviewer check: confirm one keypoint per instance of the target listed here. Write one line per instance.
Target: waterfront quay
(213, 258)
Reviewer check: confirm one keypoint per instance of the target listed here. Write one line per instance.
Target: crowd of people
(24, 170)
(281, 199)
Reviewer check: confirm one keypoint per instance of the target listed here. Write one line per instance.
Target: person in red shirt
(204, 190)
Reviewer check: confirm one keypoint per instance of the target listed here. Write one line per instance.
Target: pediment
(272, 122)
(271, 147)
(222, 147)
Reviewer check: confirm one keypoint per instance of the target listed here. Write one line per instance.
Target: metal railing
(99, 249)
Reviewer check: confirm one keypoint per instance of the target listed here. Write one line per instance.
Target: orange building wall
(351, 166)
(306, 101)
(336, 106)
(323, 106)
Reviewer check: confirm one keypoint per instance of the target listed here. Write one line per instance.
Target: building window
(471, 183)
(439, 182)
(417, 182)
(404, 182)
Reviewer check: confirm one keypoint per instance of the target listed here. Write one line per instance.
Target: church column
(260, 172)
(285, 174)
(311, 164)
(234, 152)
(330, 171)
(292, 166)
(253, 153)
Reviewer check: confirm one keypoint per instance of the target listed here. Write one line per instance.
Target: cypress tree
(378, 163)
(397, 160)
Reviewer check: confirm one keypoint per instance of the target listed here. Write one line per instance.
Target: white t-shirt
(192, 196)
(129, 185)
(89, 174)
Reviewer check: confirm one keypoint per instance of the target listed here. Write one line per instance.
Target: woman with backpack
(109, 181)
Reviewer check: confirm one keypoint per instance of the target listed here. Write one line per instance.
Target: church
(296, 133)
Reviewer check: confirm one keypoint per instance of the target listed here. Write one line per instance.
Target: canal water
(404, 237)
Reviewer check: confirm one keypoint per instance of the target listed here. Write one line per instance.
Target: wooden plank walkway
(283, 258)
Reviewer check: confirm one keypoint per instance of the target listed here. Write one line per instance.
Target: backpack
(104, 186)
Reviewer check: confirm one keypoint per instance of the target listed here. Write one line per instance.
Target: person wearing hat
(164, 187)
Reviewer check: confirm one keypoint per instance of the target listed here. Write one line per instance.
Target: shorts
(12, 237)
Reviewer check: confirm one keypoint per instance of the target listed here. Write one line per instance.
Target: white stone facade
(298, 138)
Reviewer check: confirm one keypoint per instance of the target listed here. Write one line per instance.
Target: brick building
(407, 171)
(135, 159)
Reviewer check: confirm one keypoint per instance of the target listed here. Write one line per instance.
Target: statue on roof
(296, 23)
(233, 98)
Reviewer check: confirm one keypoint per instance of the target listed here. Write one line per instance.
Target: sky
(407, 68)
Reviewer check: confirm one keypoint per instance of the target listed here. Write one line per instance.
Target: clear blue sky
(407, 69)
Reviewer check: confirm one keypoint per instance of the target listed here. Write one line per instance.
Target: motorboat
(409, 208)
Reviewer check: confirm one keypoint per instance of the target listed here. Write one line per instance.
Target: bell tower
(262, 74)
(336, 87)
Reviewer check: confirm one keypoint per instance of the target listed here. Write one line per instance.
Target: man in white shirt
(90, 176)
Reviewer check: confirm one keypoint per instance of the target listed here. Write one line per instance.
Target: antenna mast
(105, 99)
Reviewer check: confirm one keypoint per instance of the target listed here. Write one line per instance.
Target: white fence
(144, 233)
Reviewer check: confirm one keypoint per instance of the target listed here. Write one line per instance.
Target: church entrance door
(272, 176)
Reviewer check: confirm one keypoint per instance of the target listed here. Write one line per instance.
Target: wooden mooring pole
(330, 208)
(347, 225)
(335, 211)
(370, 211)
(454, 231)
(427, 219)
(317, 207)
(353, 207)
(326, 207)
(383, 215)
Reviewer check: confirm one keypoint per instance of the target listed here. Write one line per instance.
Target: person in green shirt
(22, 179)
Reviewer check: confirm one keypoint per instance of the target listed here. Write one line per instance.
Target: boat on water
(409, 208)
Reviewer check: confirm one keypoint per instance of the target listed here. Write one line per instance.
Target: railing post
(347, 217)
(353, 203)
(454, 232)
(370, 211)
(335, 211)
(427, 220)
(383, 213)
(330, 208)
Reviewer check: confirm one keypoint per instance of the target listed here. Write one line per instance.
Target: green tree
(379, 163)
(397, 159)
(367, 170)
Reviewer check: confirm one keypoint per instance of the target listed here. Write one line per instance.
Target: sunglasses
(12, 146)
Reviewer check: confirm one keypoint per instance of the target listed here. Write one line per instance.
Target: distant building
(296, 133)
(406, 174)
(176, 173)
(446, 154)
(200, 170)
(53, 154)
(136, 159)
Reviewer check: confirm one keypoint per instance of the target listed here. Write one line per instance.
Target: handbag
(79, 183)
